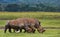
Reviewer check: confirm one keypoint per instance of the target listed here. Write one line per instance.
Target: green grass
(48, 33)
(50, 23)
(49, 19)
(3, 22)
(37, 15)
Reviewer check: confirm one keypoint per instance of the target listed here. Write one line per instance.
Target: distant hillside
(46, 2)
(30, 5)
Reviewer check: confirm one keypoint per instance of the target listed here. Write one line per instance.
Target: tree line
(27, 7)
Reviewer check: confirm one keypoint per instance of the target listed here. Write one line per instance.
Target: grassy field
(47, 19)
(48, 33)
(37, 15)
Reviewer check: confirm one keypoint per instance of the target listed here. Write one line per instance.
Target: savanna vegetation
(47, 19)
(47, 33)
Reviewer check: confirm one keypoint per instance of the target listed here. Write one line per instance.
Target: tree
(12, 7)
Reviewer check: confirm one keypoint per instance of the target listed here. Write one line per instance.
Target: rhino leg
(24, 30)
(33, 28)
(6, 27)
(20, 30)
(10, 29)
